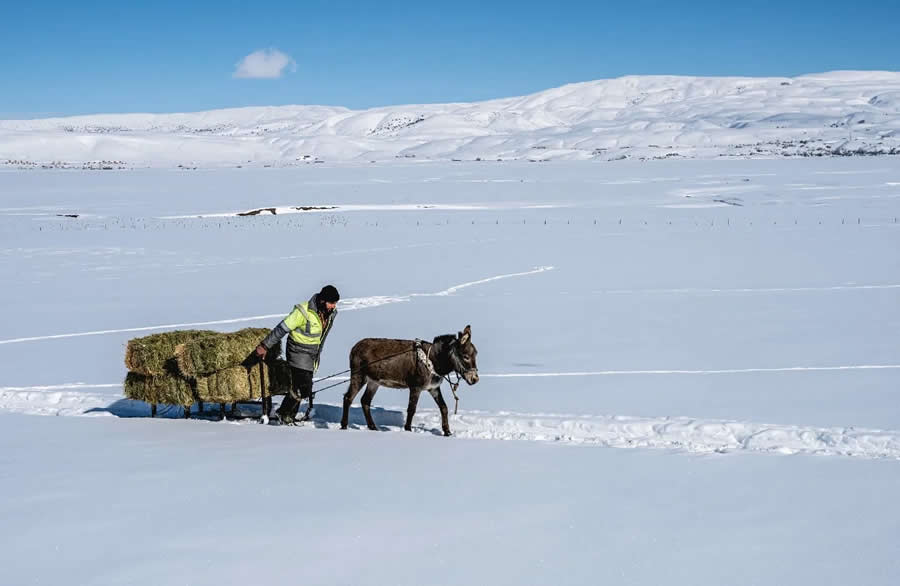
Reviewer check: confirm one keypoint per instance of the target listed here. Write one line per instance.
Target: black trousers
(301, 388)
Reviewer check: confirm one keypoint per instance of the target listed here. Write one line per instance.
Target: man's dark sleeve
(275, 336)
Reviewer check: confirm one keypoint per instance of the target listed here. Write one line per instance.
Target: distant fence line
(76, 222)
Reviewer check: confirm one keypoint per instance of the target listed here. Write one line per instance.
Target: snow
(632, 117)
(149, 502)
(688, 372)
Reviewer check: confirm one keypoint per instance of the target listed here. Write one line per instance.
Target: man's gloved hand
(261, 352)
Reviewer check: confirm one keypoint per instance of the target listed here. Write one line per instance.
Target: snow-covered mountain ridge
(633, 117)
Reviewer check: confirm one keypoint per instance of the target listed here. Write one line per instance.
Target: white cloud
(264, 64)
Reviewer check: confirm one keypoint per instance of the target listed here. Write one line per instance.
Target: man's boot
(287, 412)
(295, 408)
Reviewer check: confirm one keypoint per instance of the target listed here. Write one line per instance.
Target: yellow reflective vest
(305, 335)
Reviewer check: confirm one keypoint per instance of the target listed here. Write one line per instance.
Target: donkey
(409, 364)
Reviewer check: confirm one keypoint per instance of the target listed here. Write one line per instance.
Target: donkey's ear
(465, 335)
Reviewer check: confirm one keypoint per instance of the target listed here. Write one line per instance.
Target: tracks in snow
(693, 435)
(670, 433)
(67, 400)
(345, 305)
(678, 433)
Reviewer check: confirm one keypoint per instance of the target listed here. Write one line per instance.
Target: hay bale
(155, 355)
(184, 366)
(202, 356)
(239, 383)
(230, 384)
(166, 389)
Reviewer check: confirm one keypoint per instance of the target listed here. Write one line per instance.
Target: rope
(453, 387)
(416, 346)
(333, 375)
(420, 354)
(331, 386)
(328, 387)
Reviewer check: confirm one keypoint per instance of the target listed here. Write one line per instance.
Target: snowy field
(733, 322)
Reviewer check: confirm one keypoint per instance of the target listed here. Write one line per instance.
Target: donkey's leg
(411, 408)
(356, 382)
(371, 389)
(439, 399)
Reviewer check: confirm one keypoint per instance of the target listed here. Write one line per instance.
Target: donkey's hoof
(447, 433)
(407, 427)
(343, 426)
(373, 427)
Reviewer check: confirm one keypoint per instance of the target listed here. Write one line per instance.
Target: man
(308, 325)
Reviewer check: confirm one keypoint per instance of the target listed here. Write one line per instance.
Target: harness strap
(453, 387)
(420, 355)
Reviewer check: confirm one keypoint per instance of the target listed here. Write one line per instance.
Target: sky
(67, 58)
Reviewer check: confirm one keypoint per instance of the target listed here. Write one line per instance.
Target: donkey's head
(463, 356)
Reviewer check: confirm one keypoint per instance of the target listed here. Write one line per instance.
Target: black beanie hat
(329, 294)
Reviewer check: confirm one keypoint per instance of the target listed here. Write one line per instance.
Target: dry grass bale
(244, 384)
(165, 388)
(230, 384)
(154, 355)
(202, 356)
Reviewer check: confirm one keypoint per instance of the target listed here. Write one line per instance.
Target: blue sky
(62, 58)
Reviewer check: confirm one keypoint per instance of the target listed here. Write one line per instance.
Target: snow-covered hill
(633, 117)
